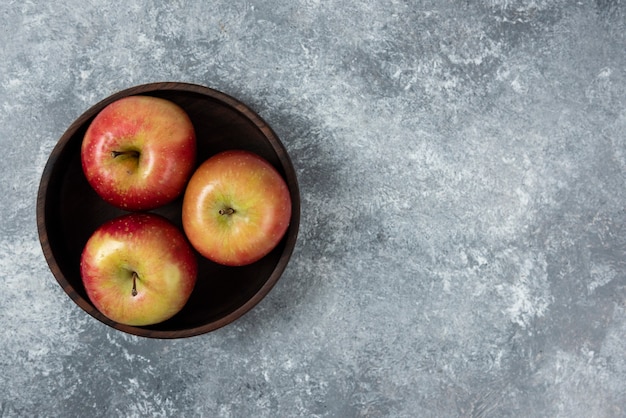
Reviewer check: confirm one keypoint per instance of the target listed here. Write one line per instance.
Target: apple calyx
(135, 277)
(226, 211)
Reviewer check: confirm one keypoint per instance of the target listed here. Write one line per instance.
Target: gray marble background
(463, 240)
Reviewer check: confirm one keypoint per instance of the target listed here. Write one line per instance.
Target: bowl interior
(69, 211)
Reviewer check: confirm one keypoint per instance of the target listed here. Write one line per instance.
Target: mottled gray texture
(463, 240)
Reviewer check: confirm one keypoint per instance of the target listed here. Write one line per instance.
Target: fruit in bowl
(138, 152)
(236, 208)
(138, 269)
(69, 211)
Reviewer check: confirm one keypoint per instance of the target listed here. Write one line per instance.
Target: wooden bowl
(69, 211)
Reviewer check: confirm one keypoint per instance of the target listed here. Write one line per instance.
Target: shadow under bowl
(69, 211)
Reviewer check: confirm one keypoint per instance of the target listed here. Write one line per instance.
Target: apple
(236, 208)
(138, 269)
(139, 152)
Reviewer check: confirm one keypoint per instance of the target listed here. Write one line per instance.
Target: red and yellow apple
(236, 208)
(139, 152)
(138, 269)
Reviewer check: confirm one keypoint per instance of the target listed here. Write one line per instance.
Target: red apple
(236, 208)
(139, 152)
(138, 269)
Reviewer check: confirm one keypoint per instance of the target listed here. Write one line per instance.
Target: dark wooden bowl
(69, 211)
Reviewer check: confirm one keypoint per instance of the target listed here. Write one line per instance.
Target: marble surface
(463, 241)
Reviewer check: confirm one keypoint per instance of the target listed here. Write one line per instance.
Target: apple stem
(227, 211)
(135, 276)
(131, 153)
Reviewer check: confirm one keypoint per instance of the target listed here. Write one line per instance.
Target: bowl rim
(225, 99)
